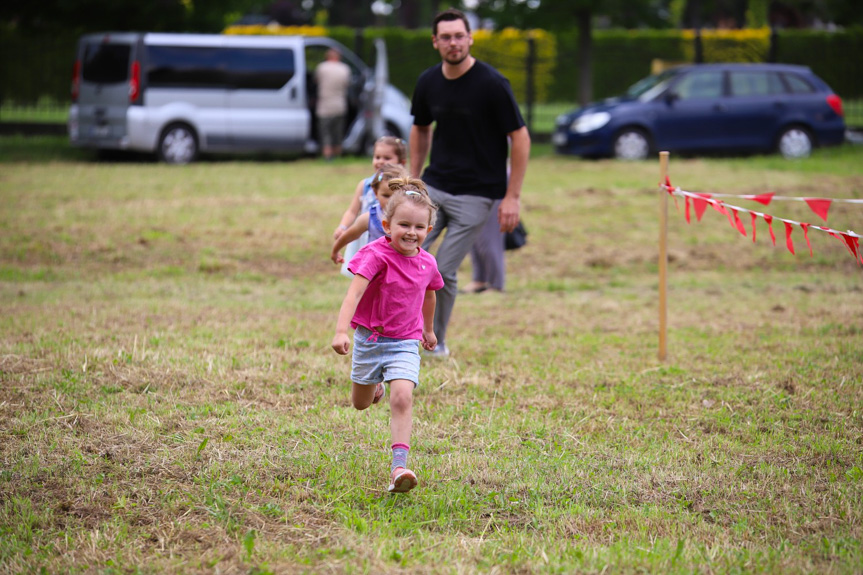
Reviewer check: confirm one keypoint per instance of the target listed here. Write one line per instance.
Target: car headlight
(590, 122)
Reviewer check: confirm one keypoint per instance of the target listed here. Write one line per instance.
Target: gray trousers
(486, 255)
(463, 217)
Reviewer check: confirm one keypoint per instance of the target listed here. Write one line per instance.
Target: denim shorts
(384, 359)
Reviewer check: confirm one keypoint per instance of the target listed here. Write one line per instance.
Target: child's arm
(429, 337)
(341, 341)
(360, 225)
(351, 213)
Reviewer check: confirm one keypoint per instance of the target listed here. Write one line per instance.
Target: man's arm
(508, 213)
(420, 144)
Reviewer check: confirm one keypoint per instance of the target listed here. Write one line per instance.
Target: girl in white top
(388, 150)
(370, 222)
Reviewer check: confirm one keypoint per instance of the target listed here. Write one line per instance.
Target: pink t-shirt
(392, 304)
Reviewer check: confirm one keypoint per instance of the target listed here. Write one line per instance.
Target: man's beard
(455, 60)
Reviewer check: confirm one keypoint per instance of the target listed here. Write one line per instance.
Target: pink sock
(400, 455)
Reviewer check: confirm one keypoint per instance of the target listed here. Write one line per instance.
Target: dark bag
(516, 238)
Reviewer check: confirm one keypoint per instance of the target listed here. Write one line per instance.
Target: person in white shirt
(333, 77)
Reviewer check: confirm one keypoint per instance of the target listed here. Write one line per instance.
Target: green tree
(840, 12)
(79, 16)
(565, 15)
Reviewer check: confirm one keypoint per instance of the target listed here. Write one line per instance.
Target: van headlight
(590, 122)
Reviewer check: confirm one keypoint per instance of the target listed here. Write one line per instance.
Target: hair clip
(412, 193)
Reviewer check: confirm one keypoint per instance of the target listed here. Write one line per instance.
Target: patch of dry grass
(169, 401)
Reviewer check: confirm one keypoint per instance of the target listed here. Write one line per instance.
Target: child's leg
(362, 396)
(402, 479)
(401, 410)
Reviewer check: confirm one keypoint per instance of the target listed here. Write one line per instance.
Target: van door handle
(293, 93)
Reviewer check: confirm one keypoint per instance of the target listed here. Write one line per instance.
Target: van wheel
(178, 144)
(631, 144)
(795, 142)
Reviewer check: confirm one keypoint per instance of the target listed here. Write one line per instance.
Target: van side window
(260, 68)
(204, 67)
(106, 63)
(184, 67)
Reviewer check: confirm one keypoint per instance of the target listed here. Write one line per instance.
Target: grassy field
(169, 402)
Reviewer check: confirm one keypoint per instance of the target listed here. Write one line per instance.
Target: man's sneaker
(402, 480)
(380, 392)
(441, 351)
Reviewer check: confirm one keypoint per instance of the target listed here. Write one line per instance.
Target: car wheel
(795, 142)
(178, 144)
(631, 144)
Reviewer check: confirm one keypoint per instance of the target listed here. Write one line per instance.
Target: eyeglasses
(457, 38)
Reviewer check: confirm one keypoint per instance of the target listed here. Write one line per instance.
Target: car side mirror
(671, 97)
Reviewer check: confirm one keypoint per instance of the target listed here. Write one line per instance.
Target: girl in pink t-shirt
(390, 304)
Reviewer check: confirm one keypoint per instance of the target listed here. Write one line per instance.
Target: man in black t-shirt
(475, 116)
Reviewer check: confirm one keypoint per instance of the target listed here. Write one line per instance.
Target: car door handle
(719, 107)
(292, 93)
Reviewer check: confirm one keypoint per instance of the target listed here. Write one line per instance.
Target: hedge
(410, 52)
(32, 68)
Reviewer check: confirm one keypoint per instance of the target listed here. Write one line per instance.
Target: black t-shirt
(474, 113)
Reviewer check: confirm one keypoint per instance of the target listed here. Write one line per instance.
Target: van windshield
(106, 63)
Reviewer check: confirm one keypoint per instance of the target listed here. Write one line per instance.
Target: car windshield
(648, 88)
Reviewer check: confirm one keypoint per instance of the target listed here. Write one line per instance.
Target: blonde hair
(387, 173)
(397, 144)
(412, 190)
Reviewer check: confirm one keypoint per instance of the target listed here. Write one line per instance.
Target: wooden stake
(663, 255)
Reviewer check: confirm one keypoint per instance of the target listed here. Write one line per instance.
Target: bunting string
(820, 206)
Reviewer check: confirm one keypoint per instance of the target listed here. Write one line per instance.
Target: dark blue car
(709, 108)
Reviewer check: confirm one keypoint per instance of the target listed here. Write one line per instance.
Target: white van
(181, 94)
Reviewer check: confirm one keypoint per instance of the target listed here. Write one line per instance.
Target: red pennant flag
(853, 245)
(806, 235)
(687, 209)
(754, 217)
(738, 224)
(730, 218)
(769, 219)
(788, 242)
(820, 206)
(763, 198)
(700, 205)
